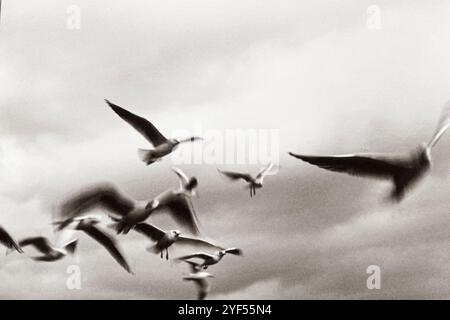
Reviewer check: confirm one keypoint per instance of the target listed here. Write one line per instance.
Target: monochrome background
(314, 70)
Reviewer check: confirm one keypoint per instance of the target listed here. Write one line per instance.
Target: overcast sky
(310, 70)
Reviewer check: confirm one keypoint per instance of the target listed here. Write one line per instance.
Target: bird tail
(146, 156)
(71, 247)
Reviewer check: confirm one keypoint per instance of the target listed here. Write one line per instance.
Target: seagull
(130, 211)
(165, 239)
(8, 241)
(89, 226)
(404, 170)
(210, 259)
(50, 252)
(188, 186)
(199, 278)
(253, 182)
(162, 145)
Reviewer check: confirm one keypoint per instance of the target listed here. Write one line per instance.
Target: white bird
(253, 182)
(210, 259)
(130, 211)
(404, 170)
(200, 279)
(162, 145)
(8, 241)
(165, 239)
(88, 225)
(188, 186)
(49, 251)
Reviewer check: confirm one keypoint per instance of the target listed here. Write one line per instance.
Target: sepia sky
(310, 70)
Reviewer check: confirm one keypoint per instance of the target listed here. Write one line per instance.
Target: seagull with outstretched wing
(162, 145)
(129, 211)
(404, 170)
(165, 239)
(253, 182)
(210, 259)
(8, 241)
(49, 251)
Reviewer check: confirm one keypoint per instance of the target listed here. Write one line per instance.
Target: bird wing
(180, 207)
(376, 166)
(182, 240)
(106, 241)
(203, 288)
(442, 126)
(143, 126)
(236, 175)
(235, 251)
(40, 243)
(8, 241)
(200, 255)
(105, 196)
(265, 171)
(184, 180)
(149, 231)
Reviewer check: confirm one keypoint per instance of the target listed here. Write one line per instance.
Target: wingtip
(294, 155)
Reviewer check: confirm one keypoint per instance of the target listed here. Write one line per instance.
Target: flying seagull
(8, 241)
(188, 186)
(210, 259)
(199, 278)
(404, 170)
(50, 252)
(88, 225)
(253, 182)
(130, 211)
(162, 145)
(165, 239)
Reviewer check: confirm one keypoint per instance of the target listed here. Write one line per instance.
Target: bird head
(175, 233)
(222, 253)
(191, 186)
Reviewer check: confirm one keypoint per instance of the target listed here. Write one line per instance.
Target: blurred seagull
(210, 259)
(50, 252)
(404, 170)
(199, 278)
(253, 182)
(165, 239)
(130, 211)
(89, 226)
(162, 145)
(188, 186)
(8, 241)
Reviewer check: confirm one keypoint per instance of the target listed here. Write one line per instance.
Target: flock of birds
(403, 170)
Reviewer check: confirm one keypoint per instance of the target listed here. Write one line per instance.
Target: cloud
(311, 71)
